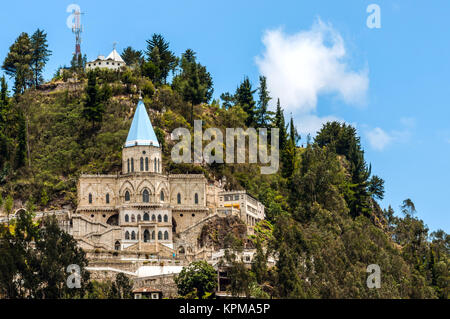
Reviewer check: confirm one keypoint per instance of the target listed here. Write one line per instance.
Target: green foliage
(35, 258)
(160, 60)
(132, 57)
(17, 63)
(40, 55)
(244, 98)
(198, 278)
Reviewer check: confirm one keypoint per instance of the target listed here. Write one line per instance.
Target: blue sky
(392, 83)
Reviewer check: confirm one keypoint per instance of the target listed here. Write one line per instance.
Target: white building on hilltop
(112, 62)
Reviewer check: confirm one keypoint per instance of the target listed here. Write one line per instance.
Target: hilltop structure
(143, 209)
(112, 62)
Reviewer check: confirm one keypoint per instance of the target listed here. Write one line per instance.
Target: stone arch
(145, 184)
(160, 235)
(117, 245)
(173, 194)
(146, 217)
(166, 235)
(146, 236)
(113, 220)
(181, 250)
(127, 235)
(159, 218)
(166, 218)
(126, 186)
(133, 235)
(146, 196)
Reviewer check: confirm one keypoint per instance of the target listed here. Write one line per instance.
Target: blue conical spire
(141, 130)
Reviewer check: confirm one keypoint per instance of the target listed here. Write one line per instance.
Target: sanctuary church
(143, 209)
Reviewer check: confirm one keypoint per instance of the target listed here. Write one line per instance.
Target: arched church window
(133, 235)
(146, 164)
(166, 235)
(160, 236)
(142, 164)
(159, 219)
(127, 235)
(146, 217)
(127, 196)
(196, 198)
(153, 218)
(132, 164)
(155, 165)
(166, 219)
(107, 198)
(178, 198)
(127, 219)
(133, 218)
(117, 245)
(146, 236)
(90, 198)
(139, 217)
(161, 196)
(145, 196)
(159, 170)
(128, 165)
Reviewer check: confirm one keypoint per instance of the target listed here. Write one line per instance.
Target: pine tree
(161, 57)
(93, 108)
(40, 55)
(279, 123)
(132, 57)
(289, 152)
(244, 97)
(263, 115)
(194, 83)
(3, 102)
(17, 63)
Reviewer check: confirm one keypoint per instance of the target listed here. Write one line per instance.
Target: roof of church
(114, 56)
(141, 130)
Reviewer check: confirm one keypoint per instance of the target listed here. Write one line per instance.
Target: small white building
(112, 62)
(251, 210)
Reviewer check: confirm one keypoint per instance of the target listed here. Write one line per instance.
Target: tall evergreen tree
(93, 107)
(289, 152)
(244, 97)
(263, 115)
(280, 123)
(194, 83)
(161, 57)
(17, 63)
(40, 55)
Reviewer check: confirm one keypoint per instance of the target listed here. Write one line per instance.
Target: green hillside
(324, 223)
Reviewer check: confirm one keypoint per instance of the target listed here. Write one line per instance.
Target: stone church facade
(143, 209)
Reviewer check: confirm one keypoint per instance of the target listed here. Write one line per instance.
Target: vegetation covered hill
(324, 224)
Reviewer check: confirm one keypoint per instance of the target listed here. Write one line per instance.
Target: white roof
(114, 56)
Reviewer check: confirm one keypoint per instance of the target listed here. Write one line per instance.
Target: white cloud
(301, 66)
(378, 138)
